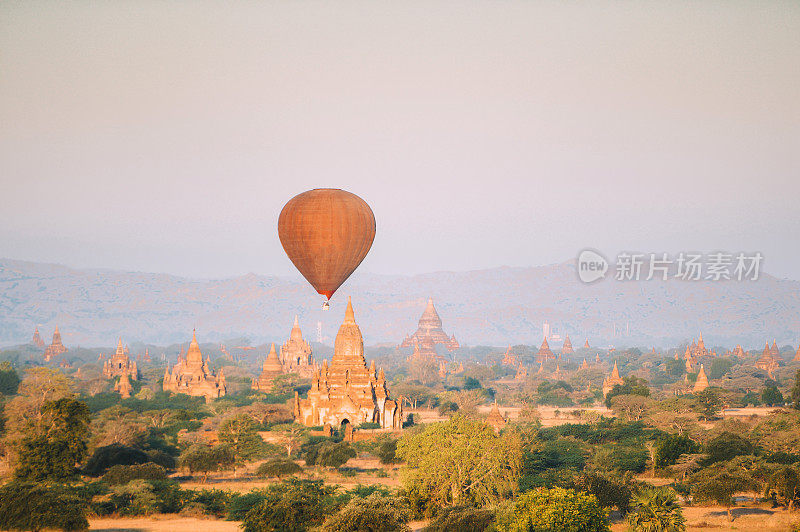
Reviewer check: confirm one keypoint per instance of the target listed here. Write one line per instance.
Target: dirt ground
(760, 518)
(163, 523)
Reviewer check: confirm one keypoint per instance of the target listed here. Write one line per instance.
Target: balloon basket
(326, 306)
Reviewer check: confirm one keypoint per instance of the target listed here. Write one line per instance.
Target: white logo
(591, 266)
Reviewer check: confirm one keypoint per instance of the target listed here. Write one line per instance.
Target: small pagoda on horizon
(55, 348)
(430, 331)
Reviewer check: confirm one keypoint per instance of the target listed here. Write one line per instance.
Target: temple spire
(349, 315)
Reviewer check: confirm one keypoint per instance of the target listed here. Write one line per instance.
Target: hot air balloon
(326, 233)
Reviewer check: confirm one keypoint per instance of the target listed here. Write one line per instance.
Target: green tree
(554, 510)
(719, 483)
(708, 403)
(771, 396)
(461, 461)
(669, 449)
(240, 434)
(461, 518)
(656, 510)
(292, 506)
(796, 390)
(9, 380)
(204, 459)
(34, 507)
(785, 483)
(54, 449)
(631, 386)
(727, 445)
(278, 467)
(387, 452)
(374, 513)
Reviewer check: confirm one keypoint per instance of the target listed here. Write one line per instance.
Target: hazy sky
(166, 137)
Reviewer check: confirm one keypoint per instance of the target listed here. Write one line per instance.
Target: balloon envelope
(326, 233)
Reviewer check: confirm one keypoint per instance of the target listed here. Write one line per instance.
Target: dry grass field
(759, 518)
(163, 523)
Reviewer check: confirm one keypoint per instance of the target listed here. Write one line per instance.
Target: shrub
(329, 454)
(241, 503)
(554, 510)
(115, 454)
(386, 452)
(29, 506)
(461, 518)
(293, 506)
(609, 492)
(135, 498)
(122, 474)
(213, 502)
(278, 467)
(726, 446)
(367, 425)
(375, 513)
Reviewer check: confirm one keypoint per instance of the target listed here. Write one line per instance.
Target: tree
(240, 434)
(771, 396)
(387, 452)
(278, 467)
(708, 403)
(460, 461)
(9, 380)
(631, 386)
(669, 449)
(554, 510)
(719, 483)
(329, 454)
(34, 507)
(108, 456)
(55, 448)
(727, 445)
(292, 506)
(630, 407)
(785, 483)
(374, 513)
(656, 510)
(796, 390)
(204, 459)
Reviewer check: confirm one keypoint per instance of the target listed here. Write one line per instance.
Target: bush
(726, 446)
(293, 506)
(213, 502)
(241, 503)
(278, 467)
(104, 458)
(122, 474)
(386, 452)
(368, 425)
(461, 518)
(29, 506)
(329, 454)
(609, 492)
(554, 510)
(135, 498)
(375, 513)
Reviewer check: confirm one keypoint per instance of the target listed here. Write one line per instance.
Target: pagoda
(694, 353)
(797, 355)
(586, 344)
(585, 364)
(558, 375)
(509, 358)
(347, 392)
(496, 419)
(544, 353)
(612, 380)
(296, 356)
(271, 368)
(193, 376)
(702, 381)
(55, 348)
(522, 374)
(120, 364)
(597, 358)
(430, 330)
(123, 386)
(566, 349)
(770, 357)
(37, 340)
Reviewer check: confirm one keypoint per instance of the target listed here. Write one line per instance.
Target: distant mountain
(496, 306)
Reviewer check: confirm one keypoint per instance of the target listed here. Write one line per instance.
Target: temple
(566, 349)
(522, 374)
(509, 358)
(585, 364)
(193, 377)
(37, 340)
(271, 368)
(612, 380)
(55, 348)
(694, 352)
(586, 344)
(296, 356)
(770, 358)
(123, 386)
(496, 419)
(797, 355)
(544, 353)
(120, 364)
(430, 331)
(702, 381)
(348, 392)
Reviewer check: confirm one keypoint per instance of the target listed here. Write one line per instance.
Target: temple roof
(349, 345)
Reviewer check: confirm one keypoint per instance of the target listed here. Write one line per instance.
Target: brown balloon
(326, 233)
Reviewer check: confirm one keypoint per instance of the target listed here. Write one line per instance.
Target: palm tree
(656, 510)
